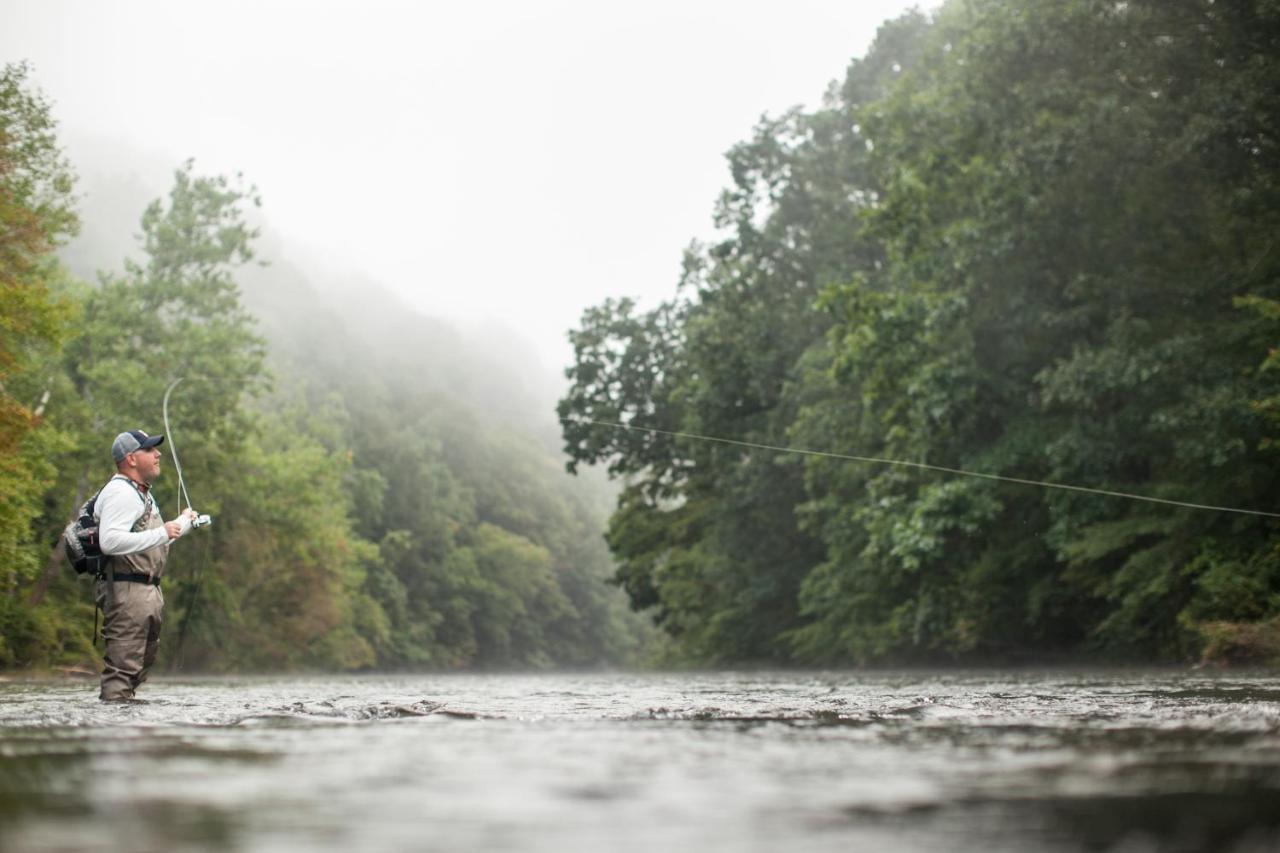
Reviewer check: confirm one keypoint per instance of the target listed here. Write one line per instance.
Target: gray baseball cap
(134, 439)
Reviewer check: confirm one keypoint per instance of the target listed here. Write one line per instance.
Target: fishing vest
(151, 561)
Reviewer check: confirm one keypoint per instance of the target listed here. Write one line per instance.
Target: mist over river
(912, 761)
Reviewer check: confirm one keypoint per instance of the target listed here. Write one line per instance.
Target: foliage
(487, 557)
(1012, 241)
(36, 215)
(1249, 643)
(280, 585)
(359, 522)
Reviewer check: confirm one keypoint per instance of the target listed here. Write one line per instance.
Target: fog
(501, 165)
(944, 517)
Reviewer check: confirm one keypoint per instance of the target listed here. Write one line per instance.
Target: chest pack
(80, 537)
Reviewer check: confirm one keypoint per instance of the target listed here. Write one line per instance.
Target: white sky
(500, 160)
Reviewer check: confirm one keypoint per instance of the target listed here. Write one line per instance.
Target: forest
(1031, 239)
(382, 493)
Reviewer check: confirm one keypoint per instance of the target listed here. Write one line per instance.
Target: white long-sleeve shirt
(118, 507)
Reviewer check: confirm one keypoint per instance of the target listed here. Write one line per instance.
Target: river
(730, 761)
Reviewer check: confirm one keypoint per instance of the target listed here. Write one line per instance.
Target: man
(132, 533)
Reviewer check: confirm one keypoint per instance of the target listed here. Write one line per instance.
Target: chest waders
(128, 593)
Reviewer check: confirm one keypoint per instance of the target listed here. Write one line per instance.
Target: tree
(706, 534)
(1073, 194)
(1010, 242)
(36, 215)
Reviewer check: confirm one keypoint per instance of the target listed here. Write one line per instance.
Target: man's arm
(118, 507)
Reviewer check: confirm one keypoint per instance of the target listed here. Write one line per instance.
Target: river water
(912, 761)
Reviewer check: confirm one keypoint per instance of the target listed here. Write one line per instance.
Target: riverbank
(1242, 643)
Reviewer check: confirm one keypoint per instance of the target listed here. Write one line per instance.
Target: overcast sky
(514, 161)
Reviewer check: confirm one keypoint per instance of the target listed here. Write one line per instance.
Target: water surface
(1132, 761)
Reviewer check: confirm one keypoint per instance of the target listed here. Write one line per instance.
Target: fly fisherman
(132, 533)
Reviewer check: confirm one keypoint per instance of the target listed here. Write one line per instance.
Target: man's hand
(181, 524)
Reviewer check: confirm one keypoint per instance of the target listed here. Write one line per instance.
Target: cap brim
(151, 441)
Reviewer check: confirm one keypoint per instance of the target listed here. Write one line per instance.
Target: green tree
(36, 216)
(488, 555)
(1073, 193)
(174, 315)
(280, 583)
(1010, 242)
(276, 582)
(707, 534)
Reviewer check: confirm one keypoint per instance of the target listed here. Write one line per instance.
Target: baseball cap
(134, 439)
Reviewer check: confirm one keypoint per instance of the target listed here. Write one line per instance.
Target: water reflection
(76, 789)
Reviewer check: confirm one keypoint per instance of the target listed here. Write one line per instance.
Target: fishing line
(173, 447)
(927, 467)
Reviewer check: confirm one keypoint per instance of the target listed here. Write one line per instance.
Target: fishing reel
(201, 520)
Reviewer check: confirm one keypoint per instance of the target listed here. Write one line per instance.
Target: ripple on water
(723, 761)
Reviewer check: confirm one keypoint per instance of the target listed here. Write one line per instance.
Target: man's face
(147, 464)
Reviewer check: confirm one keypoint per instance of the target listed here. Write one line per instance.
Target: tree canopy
(1031, 239)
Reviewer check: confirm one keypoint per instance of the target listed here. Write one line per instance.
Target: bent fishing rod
(200, 520)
